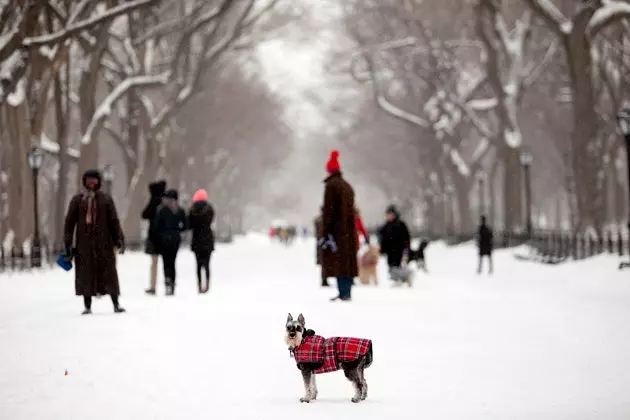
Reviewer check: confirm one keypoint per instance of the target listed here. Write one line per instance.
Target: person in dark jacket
(93, 219)
(170, 222)
(200, 218)
(485, 240)
(394, 239)
(156, 189)
(339, 239)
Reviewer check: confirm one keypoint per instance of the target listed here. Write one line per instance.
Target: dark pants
(203, 263)
(480, 266)
(87, 301)
(169, 255)
(344, 284)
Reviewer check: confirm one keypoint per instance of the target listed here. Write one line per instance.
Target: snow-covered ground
(530, 342)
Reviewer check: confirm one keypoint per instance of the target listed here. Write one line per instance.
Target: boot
(170, 289)
(119, 309)
(336, 298)
(86, 311)
(150, 292)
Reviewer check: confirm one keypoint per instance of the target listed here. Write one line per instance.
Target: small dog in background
(368, 262)
(417, 255)
(315, 354)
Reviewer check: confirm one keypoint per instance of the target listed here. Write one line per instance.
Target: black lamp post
(108, 177)
(526, 161)
(623, 122)
(35, 161)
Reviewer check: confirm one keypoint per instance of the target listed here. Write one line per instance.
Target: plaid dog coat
(330, 351)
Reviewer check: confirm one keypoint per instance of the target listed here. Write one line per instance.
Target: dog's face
(294, 331)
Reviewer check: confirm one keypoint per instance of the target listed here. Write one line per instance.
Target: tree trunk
(513, 189)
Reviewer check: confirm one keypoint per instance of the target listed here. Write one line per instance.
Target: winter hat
(92, 173)
(172, 194)
(392, 209)
(332, 166)
(200, 195)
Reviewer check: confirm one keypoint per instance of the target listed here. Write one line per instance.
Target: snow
(513, 138)
(456, 158)
(609, 10)
(16, 98)
(483, 104)
(566, 27)
(51, 146)
(531, 341)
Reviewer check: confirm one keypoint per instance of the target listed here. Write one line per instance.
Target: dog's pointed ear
(289, 318)
(301, 319)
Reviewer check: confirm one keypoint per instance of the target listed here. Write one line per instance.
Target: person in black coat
(156, 189)
(170, 221)
(394, 239)
(485, 241)
(200, 218)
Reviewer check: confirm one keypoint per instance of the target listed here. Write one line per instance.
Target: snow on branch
(609, 12)
(78, 27)
(400, 113)
(554, 17)
(105, 109)
(53, 148)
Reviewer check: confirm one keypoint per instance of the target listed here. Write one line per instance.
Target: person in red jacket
(360, 229)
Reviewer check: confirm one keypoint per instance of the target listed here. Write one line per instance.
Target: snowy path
(530, 342)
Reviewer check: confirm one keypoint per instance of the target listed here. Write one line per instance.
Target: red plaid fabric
(311, 350)
(331, 351)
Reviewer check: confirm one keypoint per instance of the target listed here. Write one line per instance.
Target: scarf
(90, 214)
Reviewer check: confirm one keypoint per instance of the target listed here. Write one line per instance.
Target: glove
(329, 243)
(121, 247)
(405, 257)
(67, 252)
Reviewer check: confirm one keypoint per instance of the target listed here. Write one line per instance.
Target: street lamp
(108, 177)
(526, 159)
(35, 161)
(623, 123)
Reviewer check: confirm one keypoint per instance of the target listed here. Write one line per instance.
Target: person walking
(394, 239)
(156, 189)
(319, 234)
(93, 236)
(200, 218)
(339, 238)
(485, 242)
(170, 222)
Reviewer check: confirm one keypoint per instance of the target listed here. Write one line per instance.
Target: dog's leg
(354, 377)
(364, 390)
(313, 386)
(306, 377)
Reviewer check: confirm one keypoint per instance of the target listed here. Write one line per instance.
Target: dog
(417, 255)
(401, 275)
(368, 262)
(315, 355)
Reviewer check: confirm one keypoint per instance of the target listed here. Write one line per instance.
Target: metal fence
(550, 247)
(22, 258)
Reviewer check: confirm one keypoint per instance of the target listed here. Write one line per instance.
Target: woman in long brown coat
(93, 215)
(339, 243)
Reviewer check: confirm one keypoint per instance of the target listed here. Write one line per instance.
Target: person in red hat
(339, 240)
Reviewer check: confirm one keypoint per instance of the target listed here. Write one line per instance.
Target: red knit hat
(332, 166)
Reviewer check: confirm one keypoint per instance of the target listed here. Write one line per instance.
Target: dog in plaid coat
(315, 354)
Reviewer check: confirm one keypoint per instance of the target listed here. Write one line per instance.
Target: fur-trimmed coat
(330, 352)
(95, 258)
(338, 220)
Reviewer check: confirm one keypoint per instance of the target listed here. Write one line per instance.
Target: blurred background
(448, 109)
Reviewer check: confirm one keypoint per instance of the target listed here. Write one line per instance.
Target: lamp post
(35, 161)
(526, 159)
(623, 123)
(481, 186)
(108, 177)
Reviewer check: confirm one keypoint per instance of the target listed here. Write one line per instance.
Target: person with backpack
(170, 222)
(200, 218)
(156, 189)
